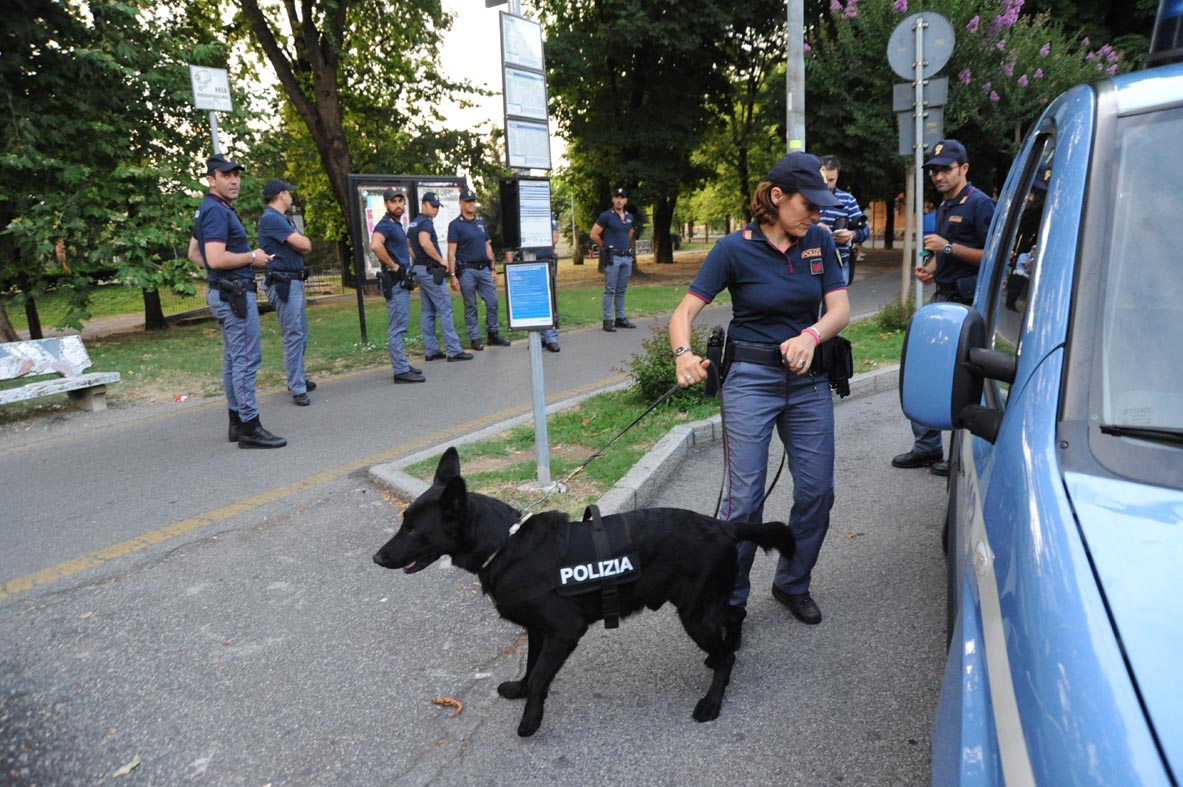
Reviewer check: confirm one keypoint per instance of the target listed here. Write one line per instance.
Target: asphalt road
(213, 614)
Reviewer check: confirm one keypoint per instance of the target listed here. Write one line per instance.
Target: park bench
(65, 356)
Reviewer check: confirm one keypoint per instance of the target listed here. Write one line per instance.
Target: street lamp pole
(795, 77)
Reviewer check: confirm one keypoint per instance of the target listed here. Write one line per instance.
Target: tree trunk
(663, 218)
(33, 318)
(7, 332)
(576, 249)
(153, 311)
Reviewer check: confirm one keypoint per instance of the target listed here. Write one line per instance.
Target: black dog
(684, 558)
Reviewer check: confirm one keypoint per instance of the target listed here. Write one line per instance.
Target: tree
(629, 84)
(98, 136)
(361, 90)
(1006, 66)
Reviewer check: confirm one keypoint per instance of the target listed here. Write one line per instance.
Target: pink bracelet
(817, 337)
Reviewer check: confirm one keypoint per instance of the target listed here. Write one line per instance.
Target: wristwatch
(948, 248)
(681, 350)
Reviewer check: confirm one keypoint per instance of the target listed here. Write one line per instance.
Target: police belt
(748, 352)
(300, 275)
(478, 265)
(235, 285)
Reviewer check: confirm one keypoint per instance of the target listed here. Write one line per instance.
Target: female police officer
(778, 270)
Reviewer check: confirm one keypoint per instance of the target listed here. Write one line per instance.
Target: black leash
(526, 512)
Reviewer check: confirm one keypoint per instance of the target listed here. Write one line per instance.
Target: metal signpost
(919, 47)
(211, 90)
(527, 147)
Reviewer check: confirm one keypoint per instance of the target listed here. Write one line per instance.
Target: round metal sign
(936, 38)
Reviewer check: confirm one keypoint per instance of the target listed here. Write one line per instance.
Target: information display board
(530, 295)
(523, 84)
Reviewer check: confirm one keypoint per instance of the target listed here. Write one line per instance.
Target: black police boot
(255, 436)
(622, 322)
(476, 344)
(609, 327)
(495, 340)
(235, 427)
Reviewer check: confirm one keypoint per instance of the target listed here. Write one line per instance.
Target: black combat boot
(609, 326)
(495, 340)
(253, 435)
(622, 322)
(235, 427)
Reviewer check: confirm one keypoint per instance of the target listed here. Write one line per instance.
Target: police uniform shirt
(216, 221)
(274, 230)
(395, 239)
(615, 230)
(774, 294)
(470, 237)
(964, 220)
(423, 223)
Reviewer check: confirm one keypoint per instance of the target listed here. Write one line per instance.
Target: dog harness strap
(608, 593)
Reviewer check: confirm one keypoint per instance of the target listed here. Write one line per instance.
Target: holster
(233, 291)
(605, 258)
(438, 272)
(282, 282)
(386, 281)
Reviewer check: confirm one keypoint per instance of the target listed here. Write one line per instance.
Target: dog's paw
(512, 689)
(707, 709)
(529, 726)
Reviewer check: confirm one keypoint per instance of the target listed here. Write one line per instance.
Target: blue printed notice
(529, 296)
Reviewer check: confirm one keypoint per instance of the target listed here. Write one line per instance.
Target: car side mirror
(943, 369)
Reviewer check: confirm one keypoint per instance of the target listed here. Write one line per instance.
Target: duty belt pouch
(438, 272)
(234, 293)
(386, 283)
(965, 288)
(605, 258)
(407, 280)
(835, 358)
(303, 274)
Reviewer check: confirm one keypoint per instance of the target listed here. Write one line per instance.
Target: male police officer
(962, 222)
(434, 276)
(613, 233)
(388, 241)
(846, 222)
(220, 240)
(286, 245)
(470, 255)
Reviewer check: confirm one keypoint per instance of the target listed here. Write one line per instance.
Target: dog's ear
(454, 500)
(448, 468)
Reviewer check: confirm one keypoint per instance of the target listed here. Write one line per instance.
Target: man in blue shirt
(847, 222)
(283, 241)
(219, 241)
(434, 276)
(470, 254)
(388, 241)
(963, 221)
(613, 233)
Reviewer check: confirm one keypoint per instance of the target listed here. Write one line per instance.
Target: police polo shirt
(274, 230)
(849, 210)
(774, 294)
(964, 220)
(216, 221)
(616, 230)
(423, 223)
(395, 239)
(470, 237)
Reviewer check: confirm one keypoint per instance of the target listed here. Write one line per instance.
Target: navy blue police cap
(219, 163)
(467, 195)
(803, 172)
(620, 193)
(274, 187)
(946, 152)
(393, 193)
(431, 198)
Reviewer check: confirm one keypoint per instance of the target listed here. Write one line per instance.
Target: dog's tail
(767, 535)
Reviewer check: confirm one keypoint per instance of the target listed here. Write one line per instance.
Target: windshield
(1142, 303)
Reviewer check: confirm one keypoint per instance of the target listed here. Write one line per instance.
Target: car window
(1011, 284)
(1141, 381)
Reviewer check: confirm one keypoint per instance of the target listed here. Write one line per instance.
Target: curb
(641, 483)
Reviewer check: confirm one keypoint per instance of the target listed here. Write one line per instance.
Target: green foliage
(653, 369)
(894, 317)
(1006, 66)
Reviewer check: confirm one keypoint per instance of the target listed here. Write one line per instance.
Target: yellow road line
(69, 568)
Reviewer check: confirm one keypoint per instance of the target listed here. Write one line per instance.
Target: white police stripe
(1008, 726)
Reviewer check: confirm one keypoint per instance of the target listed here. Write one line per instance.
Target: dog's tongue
(409, 567)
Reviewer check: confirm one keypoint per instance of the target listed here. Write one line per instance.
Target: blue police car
(1064, 388)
